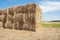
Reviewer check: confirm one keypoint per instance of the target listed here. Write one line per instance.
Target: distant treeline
(55, 21)
(52, 21)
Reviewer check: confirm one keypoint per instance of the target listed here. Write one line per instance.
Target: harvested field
(51, 24)
(44, 34)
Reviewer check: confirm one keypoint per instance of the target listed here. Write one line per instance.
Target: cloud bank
(50, 6)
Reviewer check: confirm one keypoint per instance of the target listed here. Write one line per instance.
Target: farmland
(51, 24)
(46, 33)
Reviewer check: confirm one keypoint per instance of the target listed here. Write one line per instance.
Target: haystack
(26, 17)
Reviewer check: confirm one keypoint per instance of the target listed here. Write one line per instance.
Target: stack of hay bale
(22, 17)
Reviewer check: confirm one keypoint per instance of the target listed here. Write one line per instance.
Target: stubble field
(45, 33)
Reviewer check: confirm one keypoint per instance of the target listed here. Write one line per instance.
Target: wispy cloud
(50, 6)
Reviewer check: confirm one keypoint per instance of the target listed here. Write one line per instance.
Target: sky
(50, 8)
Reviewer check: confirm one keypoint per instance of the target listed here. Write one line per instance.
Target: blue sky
(50, 8)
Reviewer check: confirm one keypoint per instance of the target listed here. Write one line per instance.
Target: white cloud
(50, 6)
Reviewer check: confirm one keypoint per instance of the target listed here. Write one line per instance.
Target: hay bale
(30, 20)
(11, 11)
(4, 15)
(19, 9)
(0, 12)
(18, 21)
(16, 25)
(9, 17)
(8, 25)
(0, 24)
(0, 18)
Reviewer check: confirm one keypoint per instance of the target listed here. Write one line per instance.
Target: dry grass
(47, 33)
(44, 34)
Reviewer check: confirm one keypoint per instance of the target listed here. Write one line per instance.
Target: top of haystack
(23, 9)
